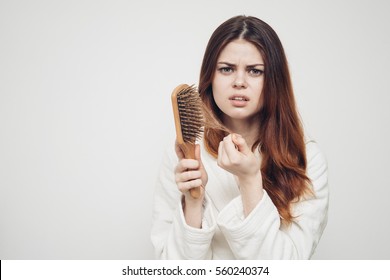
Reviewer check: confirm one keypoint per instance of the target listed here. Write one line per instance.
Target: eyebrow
(232, 64)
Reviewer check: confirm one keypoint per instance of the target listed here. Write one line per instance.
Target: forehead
(241, 49)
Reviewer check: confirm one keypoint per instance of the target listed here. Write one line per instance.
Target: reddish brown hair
(281, 139)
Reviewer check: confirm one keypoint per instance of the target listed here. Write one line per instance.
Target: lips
(239, 100)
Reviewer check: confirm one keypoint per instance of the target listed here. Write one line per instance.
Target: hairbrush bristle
(190, 112)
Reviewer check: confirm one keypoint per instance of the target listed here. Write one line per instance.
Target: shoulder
(317, 167)
(314, 154)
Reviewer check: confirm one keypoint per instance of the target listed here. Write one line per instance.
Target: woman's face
(238, 81)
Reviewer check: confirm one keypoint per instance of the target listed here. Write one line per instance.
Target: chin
(239, 117)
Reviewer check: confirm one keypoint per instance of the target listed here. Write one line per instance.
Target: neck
(248, 129)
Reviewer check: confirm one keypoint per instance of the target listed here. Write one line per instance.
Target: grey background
(85, 116)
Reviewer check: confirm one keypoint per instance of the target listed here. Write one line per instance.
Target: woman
(264, 192)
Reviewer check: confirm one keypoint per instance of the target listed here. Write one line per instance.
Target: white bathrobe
(225, 232)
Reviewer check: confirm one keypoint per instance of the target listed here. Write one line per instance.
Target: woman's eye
(256, 72)
(225, 70)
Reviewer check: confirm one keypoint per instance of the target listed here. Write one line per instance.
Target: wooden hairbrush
(187, 111)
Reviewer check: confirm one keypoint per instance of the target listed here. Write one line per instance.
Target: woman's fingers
(235, 156)
(186, 164)
(228, 153)
(241, 144)
(231, 151)
(186, 186)
(188, 176)
(222, 157)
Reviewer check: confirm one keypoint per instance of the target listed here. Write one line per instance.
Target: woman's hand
(236, 157)
(190, 173)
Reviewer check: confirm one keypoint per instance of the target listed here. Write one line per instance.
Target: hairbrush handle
(185, 93)
(188, 150)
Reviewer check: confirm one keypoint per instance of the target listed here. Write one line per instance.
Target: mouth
(239, 98)
(239, 101)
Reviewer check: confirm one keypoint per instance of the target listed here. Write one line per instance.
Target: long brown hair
(281, 138)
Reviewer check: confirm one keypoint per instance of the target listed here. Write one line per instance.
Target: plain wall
(85, 116)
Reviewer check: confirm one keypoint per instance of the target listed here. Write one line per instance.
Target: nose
(239, 80)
